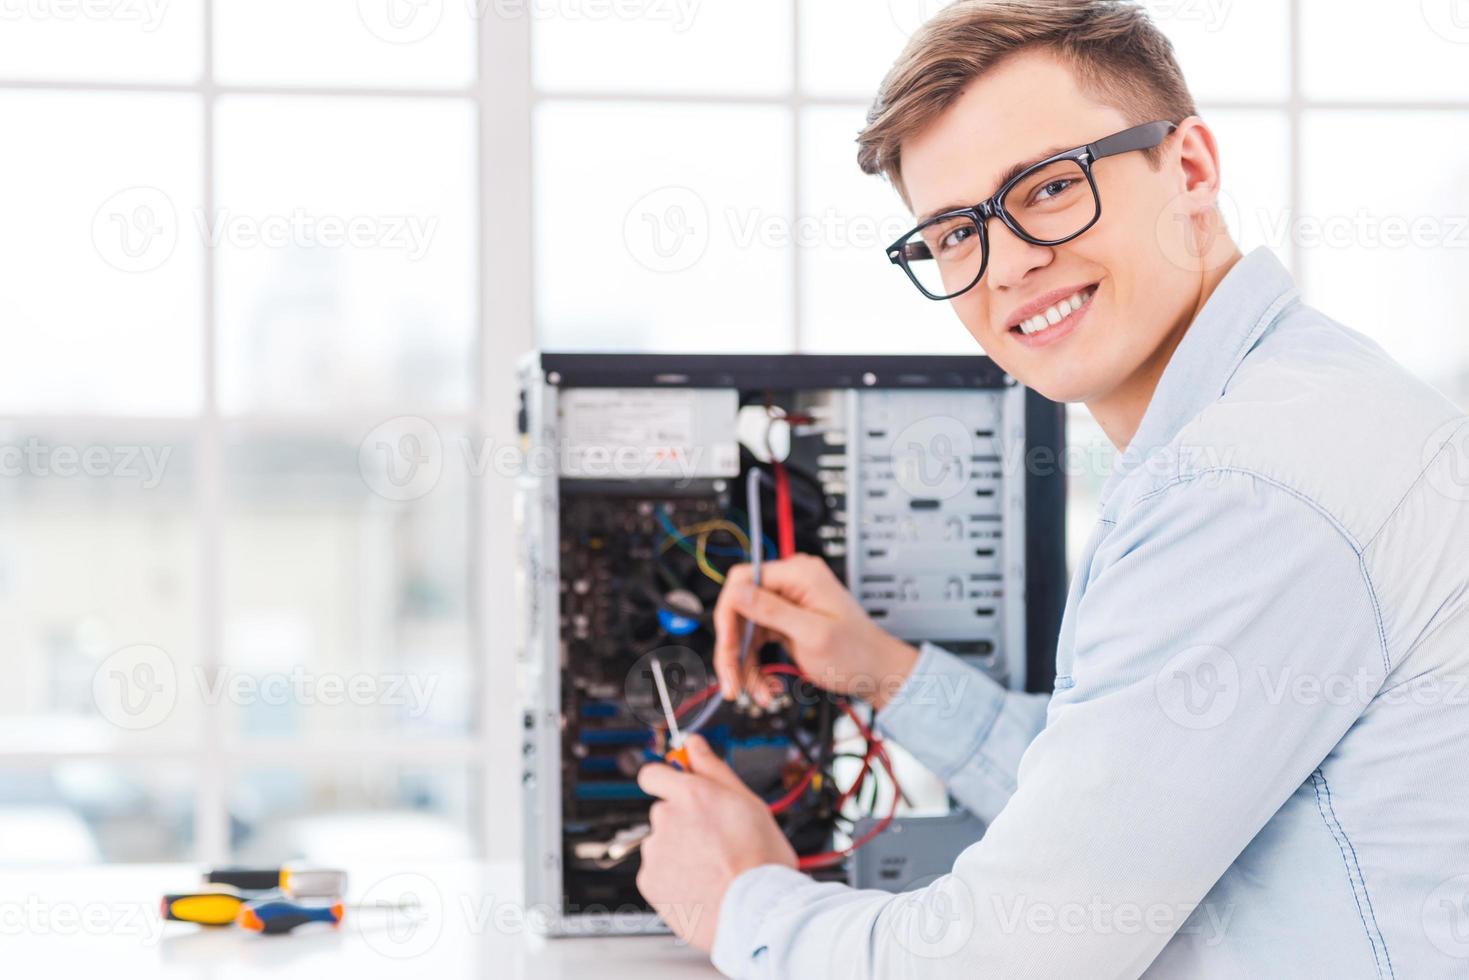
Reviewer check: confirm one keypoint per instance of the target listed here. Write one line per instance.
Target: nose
(1012, 258)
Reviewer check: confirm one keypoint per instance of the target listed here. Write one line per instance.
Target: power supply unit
(932, 488)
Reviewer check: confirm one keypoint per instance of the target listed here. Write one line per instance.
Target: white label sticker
(649, 433)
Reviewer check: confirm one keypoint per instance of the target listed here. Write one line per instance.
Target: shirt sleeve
(1177, 743)
(964, 727)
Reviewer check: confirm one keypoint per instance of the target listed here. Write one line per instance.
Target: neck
(1120, 411)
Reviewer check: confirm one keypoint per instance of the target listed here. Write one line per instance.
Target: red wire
(789, 800)
(784, 514)
(829, 858)
(693, 700)
(874, 750)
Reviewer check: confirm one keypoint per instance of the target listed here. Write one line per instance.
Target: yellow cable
(701, 556)
(701, 553)
(708, 526)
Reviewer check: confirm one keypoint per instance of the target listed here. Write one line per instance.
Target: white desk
(105, 922)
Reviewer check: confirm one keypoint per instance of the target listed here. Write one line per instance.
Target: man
(1253, 760)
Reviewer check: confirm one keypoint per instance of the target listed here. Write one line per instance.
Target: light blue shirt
(1255, 761)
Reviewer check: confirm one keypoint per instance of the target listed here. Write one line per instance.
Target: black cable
(871, 785)
(828, 739)
(811, 760)
(822, 509)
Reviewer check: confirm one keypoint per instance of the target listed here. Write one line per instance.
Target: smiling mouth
(1055, 317)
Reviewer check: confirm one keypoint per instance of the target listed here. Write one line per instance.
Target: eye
(956, 237)
(1053, 188)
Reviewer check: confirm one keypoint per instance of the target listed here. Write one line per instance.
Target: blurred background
(268, 264)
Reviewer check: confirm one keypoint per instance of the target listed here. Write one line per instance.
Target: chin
(1070, 371)
(1057, 385)
(1057, 391)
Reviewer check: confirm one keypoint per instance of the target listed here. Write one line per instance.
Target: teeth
(1057, 313)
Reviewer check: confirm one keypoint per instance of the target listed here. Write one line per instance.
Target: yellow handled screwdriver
(213, 905)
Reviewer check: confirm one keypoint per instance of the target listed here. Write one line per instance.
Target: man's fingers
(669, 784)
(662, 781)
(776, 605)
(751, 679)
(767, 608)
(798, 577)
(728, 632)
(762, 687)
(707, 763)
(741, 601)
(747, 676)
(737, 574)
(657, 813)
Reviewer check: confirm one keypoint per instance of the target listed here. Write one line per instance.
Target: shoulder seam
(1262, 478)
(1321, 511)
(1419, 478)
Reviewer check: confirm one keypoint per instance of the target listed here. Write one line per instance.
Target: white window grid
(505, 98)
(501, 94)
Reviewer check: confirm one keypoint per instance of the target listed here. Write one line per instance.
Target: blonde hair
(1119, 55)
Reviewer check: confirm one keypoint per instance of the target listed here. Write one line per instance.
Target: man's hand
(801, 604)
(708, 828)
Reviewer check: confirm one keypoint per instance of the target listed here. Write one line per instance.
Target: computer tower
(931, 485)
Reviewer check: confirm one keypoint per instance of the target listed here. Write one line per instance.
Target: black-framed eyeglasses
(1048, 203)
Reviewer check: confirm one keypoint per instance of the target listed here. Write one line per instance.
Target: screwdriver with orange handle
(678, 755)
(274, 916)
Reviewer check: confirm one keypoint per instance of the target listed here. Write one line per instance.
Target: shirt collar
(1246, 301)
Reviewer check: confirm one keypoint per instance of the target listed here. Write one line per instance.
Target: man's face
(1135, 296)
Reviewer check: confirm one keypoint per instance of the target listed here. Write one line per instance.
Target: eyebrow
(1005, 178)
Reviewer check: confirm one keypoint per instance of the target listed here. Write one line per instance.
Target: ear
(1197, 156)
(1191, 227)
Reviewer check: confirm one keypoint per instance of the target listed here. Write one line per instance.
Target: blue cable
(711, 549)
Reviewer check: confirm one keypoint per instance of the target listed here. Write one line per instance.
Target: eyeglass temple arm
(911, 251)
(1143, 137)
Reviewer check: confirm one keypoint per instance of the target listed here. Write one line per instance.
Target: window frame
(501, 96)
